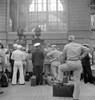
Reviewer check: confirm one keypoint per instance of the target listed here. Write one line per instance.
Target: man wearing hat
(38, 60)
(71, 58)
(18, 57)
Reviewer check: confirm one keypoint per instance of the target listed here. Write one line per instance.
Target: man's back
(73, 50)
(37, 58)
(17, 55)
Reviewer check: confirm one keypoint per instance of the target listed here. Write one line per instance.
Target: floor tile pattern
(27, 92)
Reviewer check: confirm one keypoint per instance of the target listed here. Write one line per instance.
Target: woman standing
(29, 62)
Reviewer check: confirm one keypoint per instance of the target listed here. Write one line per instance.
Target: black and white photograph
(47, 49)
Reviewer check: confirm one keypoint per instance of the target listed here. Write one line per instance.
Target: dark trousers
(87, 74)
(12, 65)
(38, 72)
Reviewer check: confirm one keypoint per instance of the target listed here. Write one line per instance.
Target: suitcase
(63, 91)
(27, 77)
(33, 81)
(4, 80)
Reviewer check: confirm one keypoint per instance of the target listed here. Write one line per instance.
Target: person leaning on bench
(71, 61)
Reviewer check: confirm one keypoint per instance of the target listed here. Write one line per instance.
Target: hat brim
(36, 44)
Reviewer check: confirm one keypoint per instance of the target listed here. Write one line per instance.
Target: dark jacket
(86, 61)
(38, 58)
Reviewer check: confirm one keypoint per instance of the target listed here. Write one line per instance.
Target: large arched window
(49, 15)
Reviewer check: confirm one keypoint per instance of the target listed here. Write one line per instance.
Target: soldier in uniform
(55, 61)
(47, 63)
(72, 55)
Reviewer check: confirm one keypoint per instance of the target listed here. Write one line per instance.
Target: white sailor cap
(15, 45)
(19, 46)
(37, 44)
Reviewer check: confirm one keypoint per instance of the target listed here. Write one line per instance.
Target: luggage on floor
(4, 80)
(27, 77)
(49, 80)
(63, 91)
(33, 80)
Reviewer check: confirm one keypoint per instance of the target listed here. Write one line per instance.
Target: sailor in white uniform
(18, 57)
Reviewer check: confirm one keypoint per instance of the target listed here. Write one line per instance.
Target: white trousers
(76, 67)
(18, 66)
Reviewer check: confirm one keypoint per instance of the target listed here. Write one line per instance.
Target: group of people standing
(74, 57)
(15, 63)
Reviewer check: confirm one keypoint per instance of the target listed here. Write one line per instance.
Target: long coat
(38, 58)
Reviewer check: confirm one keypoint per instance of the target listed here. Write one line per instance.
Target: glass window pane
(44, 1)
(44, 7)
(60, 26)
(52, 18)
(31, 7)
(33, 17)
(32, 26)
(93, 21)
(22, 1)
(39, 1)
(52, 26)
(60, 7)
(49, 14)
(42, 17)
(39, 7)
(52, 7)
(51, 1)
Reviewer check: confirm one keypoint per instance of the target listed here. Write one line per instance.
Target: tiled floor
(26, 92)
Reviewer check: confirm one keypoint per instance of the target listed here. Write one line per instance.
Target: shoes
(1, 92)
(75, 99)
(14, 84)
(22, 84)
